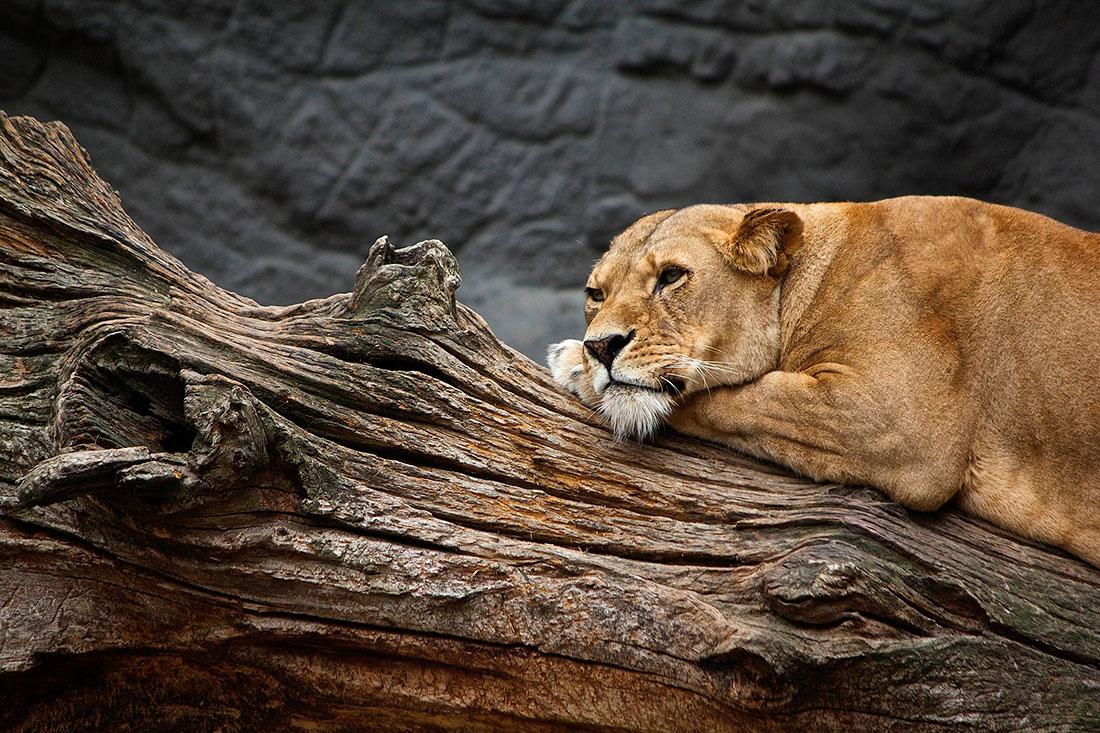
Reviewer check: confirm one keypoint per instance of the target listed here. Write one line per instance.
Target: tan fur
(936, 348)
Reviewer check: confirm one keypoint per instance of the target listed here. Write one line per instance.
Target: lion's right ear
(764, 242)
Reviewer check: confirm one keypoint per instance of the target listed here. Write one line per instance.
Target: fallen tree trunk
(366, 512)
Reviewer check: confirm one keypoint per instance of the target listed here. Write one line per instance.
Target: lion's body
(936, 348)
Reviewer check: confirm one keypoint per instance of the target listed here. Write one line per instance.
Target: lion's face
(682, 302)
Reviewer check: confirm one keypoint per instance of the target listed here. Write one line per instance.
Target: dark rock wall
(267, 144)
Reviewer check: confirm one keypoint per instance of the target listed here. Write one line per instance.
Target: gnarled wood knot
(415, 285)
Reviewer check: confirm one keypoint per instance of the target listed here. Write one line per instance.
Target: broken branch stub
(415, 284)
(364, 511)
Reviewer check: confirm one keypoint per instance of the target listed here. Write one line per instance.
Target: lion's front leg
(829, 429)
(772, 418)
(569, 369)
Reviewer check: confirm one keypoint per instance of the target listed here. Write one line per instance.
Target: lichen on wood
(366, 512)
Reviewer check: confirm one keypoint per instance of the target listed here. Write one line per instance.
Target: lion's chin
(634, 412)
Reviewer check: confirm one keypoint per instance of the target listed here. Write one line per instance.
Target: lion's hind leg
(1032, 501)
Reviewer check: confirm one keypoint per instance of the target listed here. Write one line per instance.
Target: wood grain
(365, 512)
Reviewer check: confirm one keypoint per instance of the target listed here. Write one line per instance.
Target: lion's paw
(566, 362)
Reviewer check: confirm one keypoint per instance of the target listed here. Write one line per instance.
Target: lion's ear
(764, 242)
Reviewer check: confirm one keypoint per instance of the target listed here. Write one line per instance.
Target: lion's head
(684, 301)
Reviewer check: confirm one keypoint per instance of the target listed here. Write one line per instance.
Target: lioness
(935, 348)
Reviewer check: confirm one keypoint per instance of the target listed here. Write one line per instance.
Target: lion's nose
(606, 349)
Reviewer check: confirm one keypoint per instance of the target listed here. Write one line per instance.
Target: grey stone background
(267, 144)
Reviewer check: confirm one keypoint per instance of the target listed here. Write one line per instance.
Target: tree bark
(365, 512)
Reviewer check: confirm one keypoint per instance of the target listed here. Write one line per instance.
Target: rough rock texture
(267, 143)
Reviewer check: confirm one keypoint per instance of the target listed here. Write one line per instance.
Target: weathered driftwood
(365, 512)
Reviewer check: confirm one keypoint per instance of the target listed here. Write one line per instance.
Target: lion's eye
(668, 276)
(594, 294)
